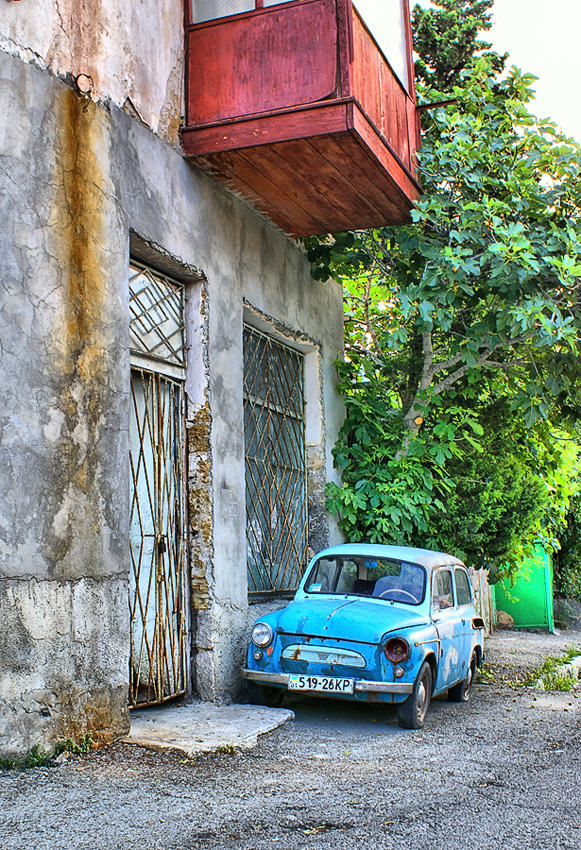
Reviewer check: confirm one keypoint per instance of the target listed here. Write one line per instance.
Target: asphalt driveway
(501, 771)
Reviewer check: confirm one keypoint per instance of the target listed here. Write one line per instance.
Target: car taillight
(397, 650)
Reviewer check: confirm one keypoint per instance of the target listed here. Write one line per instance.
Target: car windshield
(381, 578)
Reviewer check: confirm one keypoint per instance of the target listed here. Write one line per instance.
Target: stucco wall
(130, 54)
(76, 178)
(63, 422)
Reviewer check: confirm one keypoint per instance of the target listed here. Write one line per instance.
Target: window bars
(157, 592)
(156, 304)
(276, 497)
(157, 605)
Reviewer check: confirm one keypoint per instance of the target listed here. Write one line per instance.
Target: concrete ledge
(201, 727)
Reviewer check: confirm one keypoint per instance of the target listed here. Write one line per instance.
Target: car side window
(463, 594)
(442, 591)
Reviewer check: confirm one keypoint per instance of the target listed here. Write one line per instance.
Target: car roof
(424, 557)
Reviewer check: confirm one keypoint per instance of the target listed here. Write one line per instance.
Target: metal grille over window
(156, 304)
(276, 499)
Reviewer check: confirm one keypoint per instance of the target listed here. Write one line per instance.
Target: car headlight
(397, 649)
(262, 635)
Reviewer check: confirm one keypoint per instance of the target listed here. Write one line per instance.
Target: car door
(465, 607)
(449, 627)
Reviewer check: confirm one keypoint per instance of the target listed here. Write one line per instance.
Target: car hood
(347, 618)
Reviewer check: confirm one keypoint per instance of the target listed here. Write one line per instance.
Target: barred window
(276, 498)
(156, 304)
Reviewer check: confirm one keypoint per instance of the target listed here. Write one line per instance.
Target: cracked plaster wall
(132, 52)
(61, 674)
(76, 178)
(63, 330)
(63, 422)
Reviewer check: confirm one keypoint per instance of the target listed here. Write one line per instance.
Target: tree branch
(483, 361)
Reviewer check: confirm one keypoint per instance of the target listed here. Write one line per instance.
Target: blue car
(383, 623)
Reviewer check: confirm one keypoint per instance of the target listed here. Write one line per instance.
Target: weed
(70, 746)
(37, 757)
(551, 673)
(558, 682)
(226, 749)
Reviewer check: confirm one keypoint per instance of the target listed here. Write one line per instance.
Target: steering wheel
(398, 590)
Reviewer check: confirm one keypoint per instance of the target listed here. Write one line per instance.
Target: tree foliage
(446, 39)
(463, 328)
(568, 560)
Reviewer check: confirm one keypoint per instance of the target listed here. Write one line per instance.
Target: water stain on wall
(79, 359)
(103, 712)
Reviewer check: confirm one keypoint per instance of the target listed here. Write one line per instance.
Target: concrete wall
(127, 54)
(63, 418)
(79, 180)
(270, 277)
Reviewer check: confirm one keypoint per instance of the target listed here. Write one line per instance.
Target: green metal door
(530, 600)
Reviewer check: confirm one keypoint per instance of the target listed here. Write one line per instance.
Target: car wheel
(461, 691)
(412, 713)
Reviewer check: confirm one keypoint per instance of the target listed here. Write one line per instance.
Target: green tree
(471, 310)
(446, 39)
(568, 559)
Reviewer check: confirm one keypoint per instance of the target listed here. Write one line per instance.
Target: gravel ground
(501, 771)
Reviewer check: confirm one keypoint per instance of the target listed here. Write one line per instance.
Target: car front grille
(323, 655)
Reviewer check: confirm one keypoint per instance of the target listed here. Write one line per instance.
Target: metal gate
(157, 597)
(276, 486)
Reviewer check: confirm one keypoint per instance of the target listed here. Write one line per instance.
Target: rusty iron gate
(157, 597)
(276, 485)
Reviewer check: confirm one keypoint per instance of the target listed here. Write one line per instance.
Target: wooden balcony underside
(331, 173)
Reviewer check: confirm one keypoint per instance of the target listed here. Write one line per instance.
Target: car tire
(461, 691)
(412, 713)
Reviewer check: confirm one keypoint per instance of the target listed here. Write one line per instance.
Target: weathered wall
(76, 178)
(63, 421)
(272, 278)
(64, 668)
(131, 53)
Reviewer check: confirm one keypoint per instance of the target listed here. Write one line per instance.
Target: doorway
(157, 586)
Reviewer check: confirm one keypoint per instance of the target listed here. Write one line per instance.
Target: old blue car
(369, 622)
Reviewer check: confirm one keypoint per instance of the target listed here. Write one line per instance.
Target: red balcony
(297, 107)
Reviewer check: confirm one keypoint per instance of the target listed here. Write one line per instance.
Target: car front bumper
(262, 677)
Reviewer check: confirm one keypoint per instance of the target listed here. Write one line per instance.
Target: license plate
(321, 684)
